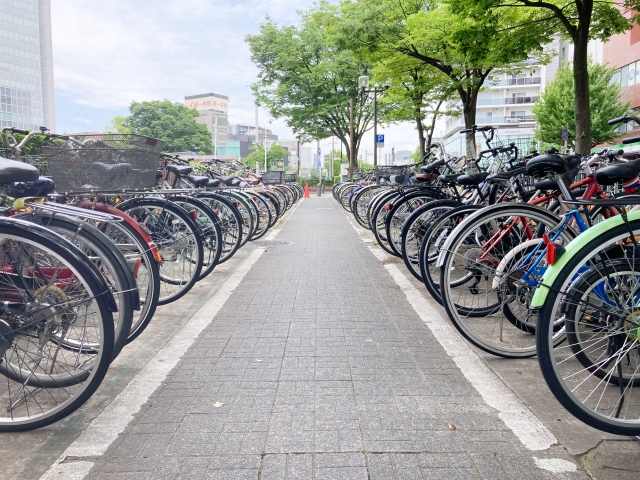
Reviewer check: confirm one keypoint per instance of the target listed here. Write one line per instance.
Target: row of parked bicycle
(534, 255)
(88, 253)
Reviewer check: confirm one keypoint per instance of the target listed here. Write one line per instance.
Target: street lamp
(363, 83)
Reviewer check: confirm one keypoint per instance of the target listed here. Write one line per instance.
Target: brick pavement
(318, 367)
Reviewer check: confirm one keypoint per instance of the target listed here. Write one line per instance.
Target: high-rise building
(26, 67)
(213, 109)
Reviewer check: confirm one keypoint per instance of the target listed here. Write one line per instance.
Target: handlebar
(624, 119)
(629, 140)
(20, 131)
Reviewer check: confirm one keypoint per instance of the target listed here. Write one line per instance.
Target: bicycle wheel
(136, 250)
(108, 260)
(595, 374)
(50, 292)
(209, 225)
(479, 291)
(415, 228)
(264, 216)
(434, 239)
(247, 210)
(230, 223)
(178, 240)
(396, 217)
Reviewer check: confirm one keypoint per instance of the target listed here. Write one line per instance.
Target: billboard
(208, 103)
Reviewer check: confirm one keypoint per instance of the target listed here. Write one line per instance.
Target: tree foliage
(305, 79)
(464, 49)
(173, 123)
(579, 20)
(275, 155)
(556, 106)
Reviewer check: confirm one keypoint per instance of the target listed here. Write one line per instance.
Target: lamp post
(363, 83)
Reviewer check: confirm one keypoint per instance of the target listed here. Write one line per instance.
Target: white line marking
(515, 414)
(104, 429)
(556, 465)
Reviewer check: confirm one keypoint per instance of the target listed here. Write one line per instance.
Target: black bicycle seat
(543, 165)
(180, 170)
(198, 180)
(213, 182)
(449, 179)
(12, 171)
(501, 177)
(472, 178)
(547, 184)
(618, 173)
(432, 167)
(397, 179)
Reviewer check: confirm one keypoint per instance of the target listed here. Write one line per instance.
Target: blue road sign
(319, 164)
(379, 138)
(319, 152)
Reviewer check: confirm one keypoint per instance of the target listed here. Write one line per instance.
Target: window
(563, 53)
(624, 72)
(632, 74)
(518, 113)
(615, 78)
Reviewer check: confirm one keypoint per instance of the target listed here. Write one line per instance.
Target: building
(293, 147)
(213, 109)
(308, 157)
(26, 67)
(623, 52)
(241, 137)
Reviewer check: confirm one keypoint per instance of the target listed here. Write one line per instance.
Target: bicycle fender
(572, 248)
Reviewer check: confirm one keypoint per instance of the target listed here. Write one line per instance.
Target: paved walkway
(317, 366)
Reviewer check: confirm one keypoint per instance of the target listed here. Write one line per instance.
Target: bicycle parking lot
(316, 366)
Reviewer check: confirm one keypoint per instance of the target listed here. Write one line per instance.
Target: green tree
(305, 79)
(464, 49)
(275, 157)
(579, 20)
(117, 125)
(417, 94)
(173, 123)
(556, 106)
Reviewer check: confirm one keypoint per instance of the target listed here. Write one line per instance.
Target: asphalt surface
(315, 356)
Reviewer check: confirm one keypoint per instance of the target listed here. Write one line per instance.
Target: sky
(107, 54)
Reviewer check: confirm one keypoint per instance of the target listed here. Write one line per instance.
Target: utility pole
(298, 157)
(375, 130)
(332, 155)
(352, 162)
(257, 139)
(393, 155)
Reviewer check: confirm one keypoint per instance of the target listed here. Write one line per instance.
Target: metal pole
(332, 155)
(351, 146)
(318, 186)
(257, 139)
(264, 143)
(375, 128)
(298, 158)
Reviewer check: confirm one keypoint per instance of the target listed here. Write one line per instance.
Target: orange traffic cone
(306, 190)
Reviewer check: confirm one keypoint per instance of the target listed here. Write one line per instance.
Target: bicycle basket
(103, 162)
(291, 178)
(272, 178)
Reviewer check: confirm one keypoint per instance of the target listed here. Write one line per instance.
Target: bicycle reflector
(554, 251)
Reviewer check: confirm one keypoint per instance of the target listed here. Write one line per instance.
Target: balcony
(458, 123)
(514, 82)
(482, 102)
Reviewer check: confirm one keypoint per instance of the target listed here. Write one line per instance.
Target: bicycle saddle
(543, 165)
(423, 177)
(432, 167)
(180, 169)
(450, 179)
(618, 173)
(505, 176)
(472, 178)
(41, 187)
(252, 181)
(213, 182)
(547, 184)
(198, 180)
(12, 171)
(397, 179)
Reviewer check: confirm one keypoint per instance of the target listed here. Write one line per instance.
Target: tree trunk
(469, 115)
(436, 113)
(421, 139)
(581, 85)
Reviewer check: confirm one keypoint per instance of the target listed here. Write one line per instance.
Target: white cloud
(109, 53)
